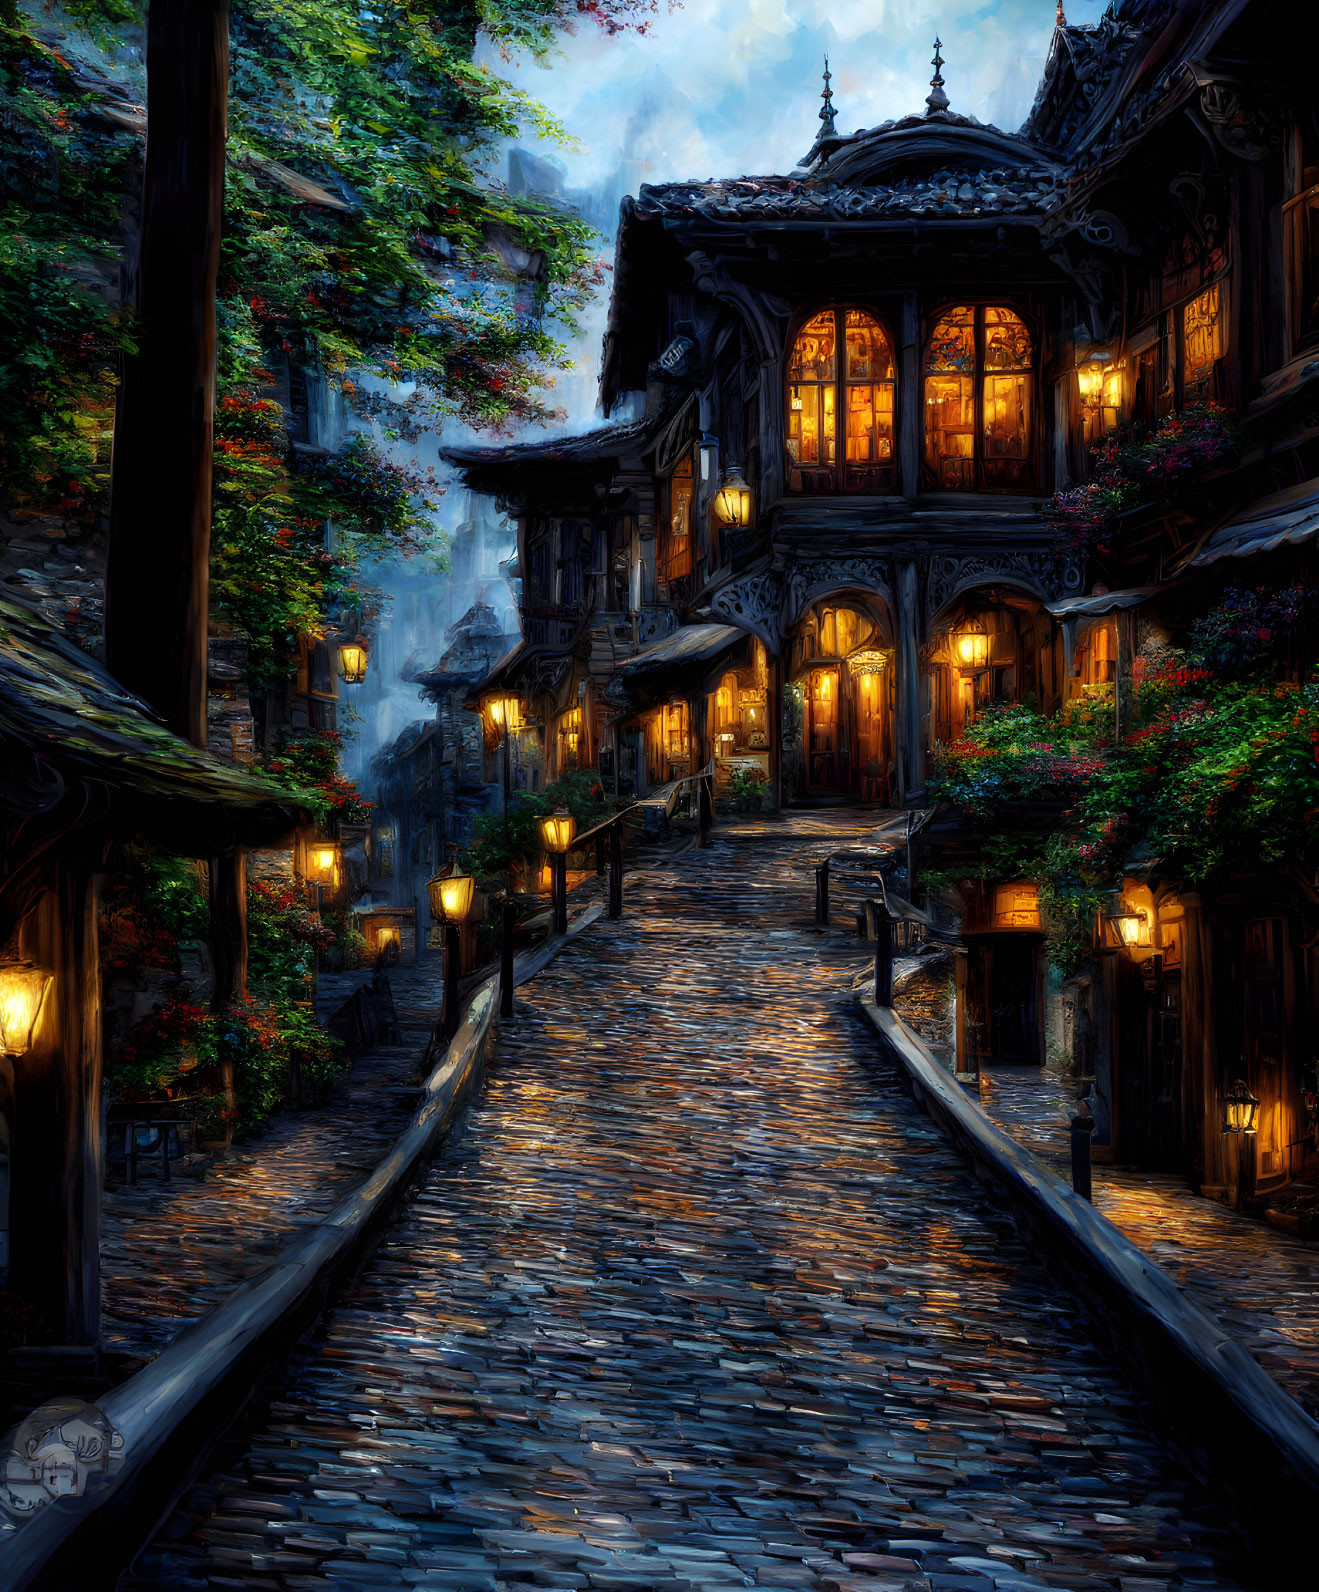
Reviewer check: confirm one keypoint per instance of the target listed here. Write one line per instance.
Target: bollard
(822, 892)
(559, 869)
(883, 958)
(615, 871)
(1083, 1128)
(506, 959)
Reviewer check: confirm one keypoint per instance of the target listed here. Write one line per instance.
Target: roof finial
(1060, 21)
(827, 109)
(936, 100)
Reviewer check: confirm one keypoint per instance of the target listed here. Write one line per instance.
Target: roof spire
(936, 100)
(828, 130)
(1060, 21)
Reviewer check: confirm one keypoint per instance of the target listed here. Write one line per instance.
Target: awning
(1108, 602)
(688, 645)
(1269, 523)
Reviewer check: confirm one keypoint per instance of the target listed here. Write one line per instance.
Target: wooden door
(1014, 1026)
(824, 770)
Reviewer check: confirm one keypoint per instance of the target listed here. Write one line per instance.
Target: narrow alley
(699, 1298)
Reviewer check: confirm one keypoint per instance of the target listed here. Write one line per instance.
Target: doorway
(823, 772)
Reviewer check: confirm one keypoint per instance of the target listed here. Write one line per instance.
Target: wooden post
(158, 558)
(822, 892)
(883, 958)
(615, 870)
(452, 947)
(559, 873)
(508, 917)
(599, 853)
(228, 940)
(55, 1189)
(911, 750)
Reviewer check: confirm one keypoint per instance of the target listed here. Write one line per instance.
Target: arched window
(978, 402)
(860, 387)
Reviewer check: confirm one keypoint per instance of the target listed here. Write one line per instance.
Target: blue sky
(725, 87)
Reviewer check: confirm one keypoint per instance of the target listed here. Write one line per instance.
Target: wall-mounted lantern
(1127, 925)
(1017, 905)
(972, 645)
(1240, 1108)
(23, 989)
(732, 502)
(1090, 378)
(353, 659)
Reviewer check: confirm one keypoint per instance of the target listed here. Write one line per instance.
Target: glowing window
(978, 401)
(1202, 328)
(1017, 905)
(861, 387)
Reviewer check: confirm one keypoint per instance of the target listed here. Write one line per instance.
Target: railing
(608, 838)
(701, 786)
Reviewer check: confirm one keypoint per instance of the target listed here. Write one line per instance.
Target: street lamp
(556, 832)
(23, 989)
(1128, 926)
(504, 713)
(732, 502)
(450, 901)
(1240, 1109)
(353, 658)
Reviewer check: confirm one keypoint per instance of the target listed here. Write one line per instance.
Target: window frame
(831, 480)
(979, 459)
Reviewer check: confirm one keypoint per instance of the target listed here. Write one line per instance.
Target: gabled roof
(72, 738)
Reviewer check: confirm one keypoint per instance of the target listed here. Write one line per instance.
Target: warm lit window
(569, 726)
(676, 551)
(861, 388)
(1202, 328)
(1017, 905)
(677, 731)
(978, 397)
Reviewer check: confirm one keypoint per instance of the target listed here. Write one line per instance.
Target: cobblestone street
(699, 1299)
(1262, 1284)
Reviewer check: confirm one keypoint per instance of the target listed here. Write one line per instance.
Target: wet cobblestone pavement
(699, 1299)
(1262, 1284)
(171, 1251)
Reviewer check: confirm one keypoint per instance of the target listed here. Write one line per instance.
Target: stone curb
(174, 1412)
(1229, 1421)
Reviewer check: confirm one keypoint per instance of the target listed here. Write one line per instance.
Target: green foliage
(1013, 754)
(493, 852)
(308, 760)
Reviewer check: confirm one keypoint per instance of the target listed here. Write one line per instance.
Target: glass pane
(953, 346)
(950, 432)
(828, 425)
(1007, 342)
(1005, 416)
(869, 355)
(813, 352)
(847, 628)
(1204, 339)
(804, 424)
(829, 633)
(869, 423)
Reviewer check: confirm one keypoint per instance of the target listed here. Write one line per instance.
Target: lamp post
(1240, 1108)
(450, 902)
(505, 713)
(23, 990)
(556, 832)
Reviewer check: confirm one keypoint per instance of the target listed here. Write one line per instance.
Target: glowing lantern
(557, 830)
(1090, 379)
(1131, 924)
(353, 657)
(504, 712)
(1017, 905)
(732, 502)
(323, 864)
(1240, 1108)
(23, 988)
(973, 646)
(451, 896)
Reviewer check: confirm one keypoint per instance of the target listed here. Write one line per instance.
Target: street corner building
(855, 414)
